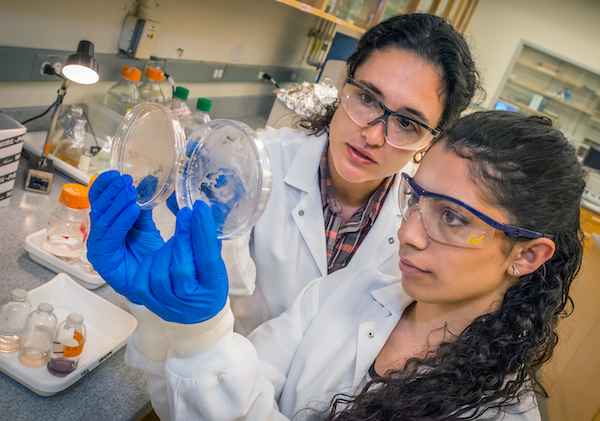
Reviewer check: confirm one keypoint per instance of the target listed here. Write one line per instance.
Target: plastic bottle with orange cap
(68, 225)
(124, 95)
(150, 89)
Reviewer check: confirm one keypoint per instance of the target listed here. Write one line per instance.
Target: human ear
(527, 257)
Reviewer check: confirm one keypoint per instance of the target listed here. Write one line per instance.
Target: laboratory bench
(111, 391)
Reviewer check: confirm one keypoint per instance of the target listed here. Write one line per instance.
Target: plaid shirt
(342, 242)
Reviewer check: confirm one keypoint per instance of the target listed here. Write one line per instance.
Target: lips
(360, 156)
(408, 268)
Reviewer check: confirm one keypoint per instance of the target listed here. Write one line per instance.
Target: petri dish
(226, 165)
(148, 145)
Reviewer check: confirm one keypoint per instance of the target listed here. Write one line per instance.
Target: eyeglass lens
(363, 108)
(445, 221)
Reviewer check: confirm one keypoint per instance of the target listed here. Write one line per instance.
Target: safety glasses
(365, 109)
(452, 222)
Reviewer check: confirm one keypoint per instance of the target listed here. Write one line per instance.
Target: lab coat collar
(392, 297)
(304, 171)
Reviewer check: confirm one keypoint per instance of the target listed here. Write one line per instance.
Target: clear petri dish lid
(226, 165)
(149, 145)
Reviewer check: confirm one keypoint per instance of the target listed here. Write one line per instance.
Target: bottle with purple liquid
(67, 346)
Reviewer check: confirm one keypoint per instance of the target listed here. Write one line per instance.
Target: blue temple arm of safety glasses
(511, 231)
(386, 110)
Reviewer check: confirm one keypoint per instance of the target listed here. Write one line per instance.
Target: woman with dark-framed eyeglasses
(333, 200)
(488, 249)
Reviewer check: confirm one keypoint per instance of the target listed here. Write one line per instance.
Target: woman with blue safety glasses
(488, 249)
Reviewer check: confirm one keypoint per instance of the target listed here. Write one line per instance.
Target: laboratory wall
(256, 32)
(569, 28)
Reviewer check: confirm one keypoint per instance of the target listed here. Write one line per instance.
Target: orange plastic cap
(75, 196)
(92, 179)
(154, 73)
(131, 73)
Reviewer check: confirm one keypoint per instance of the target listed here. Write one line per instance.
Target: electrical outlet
(57, 67)
(218, 73)
(41, 60)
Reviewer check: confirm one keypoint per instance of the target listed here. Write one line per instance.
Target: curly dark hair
(429, 37)
(529, 169)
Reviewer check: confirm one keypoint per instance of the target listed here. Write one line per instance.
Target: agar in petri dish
(149, 145)
(226, 165)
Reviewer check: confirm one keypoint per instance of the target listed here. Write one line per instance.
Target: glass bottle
(67, 346)
(124, 95)
(71, 144)
(178, 104)
(13, 315)
(38, 335)
(199, 116)
(69, 224)
(150, 89)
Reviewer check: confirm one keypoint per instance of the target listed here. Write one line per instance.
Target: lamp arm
(62, 91)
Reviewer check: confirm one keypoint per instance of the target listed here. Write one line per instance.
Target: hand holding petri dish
(223, 163)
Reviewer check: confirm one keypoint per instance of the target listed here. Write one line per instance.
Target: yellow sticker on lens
(473, 239)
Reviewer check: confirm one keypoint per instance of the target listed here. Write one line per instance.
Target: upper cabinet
(542, 83)
(360, 15)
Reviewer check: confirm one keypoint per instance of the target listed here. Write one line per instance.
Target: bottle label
(74, 351)
(181, 111)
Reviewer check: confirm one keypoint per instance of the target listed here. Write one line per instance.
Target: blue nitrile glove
(172, 203)
(186, 280)
(172, 199)
(121, 234)
(224, 189)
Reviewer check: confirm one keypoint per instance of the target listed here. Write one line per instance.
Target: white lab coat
(323, 344)
(287, 247)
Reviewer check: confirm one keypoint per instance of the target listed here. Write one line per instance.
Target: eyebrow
(412, 111)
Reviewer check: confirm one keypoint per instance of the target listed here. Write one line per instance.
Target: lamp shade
(81, 67)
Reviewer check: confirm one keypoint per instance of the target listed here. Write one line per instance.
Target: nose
(375, 133)
(412, 232)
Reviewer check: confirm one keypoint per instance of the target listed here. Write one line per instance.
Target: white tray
(108, 328)
(34, 143)
(33, 245)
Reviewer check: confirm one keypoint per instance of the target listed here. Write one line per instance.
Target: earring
(516, 270)
(418, 157)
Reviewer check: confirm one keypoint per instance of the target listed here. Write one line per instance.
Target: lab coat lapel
(373, 333)
(308, 213)
(381, 242)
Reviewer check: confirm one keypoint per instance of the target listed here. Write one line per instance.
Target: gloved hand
(121, 234)
(224, 188)
(172, 203)
(186, 280)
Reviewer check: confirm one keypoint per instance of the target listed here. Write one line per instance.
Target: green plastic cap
(203, 104)
(181, 93)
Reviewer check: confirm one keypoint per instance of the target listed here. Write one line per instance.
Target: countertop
(112, 391)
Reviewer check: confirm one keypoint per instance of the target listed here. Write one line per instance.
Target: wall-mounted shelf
(543, 83)
(318, 9)
(551, 97)
(525, 106)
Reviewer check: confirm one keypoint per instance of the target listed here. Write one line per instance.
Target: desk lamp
(82, 68)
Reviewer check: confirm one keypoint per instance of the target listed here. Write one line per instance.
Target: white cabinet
(540, 82)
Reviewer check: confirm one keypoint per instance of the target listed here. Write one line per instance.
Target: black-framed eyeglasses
(450, 221)
(365, 109)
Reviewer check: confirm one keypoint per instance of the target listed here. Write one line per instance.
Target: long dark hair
(429, 37)
(528, 169)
